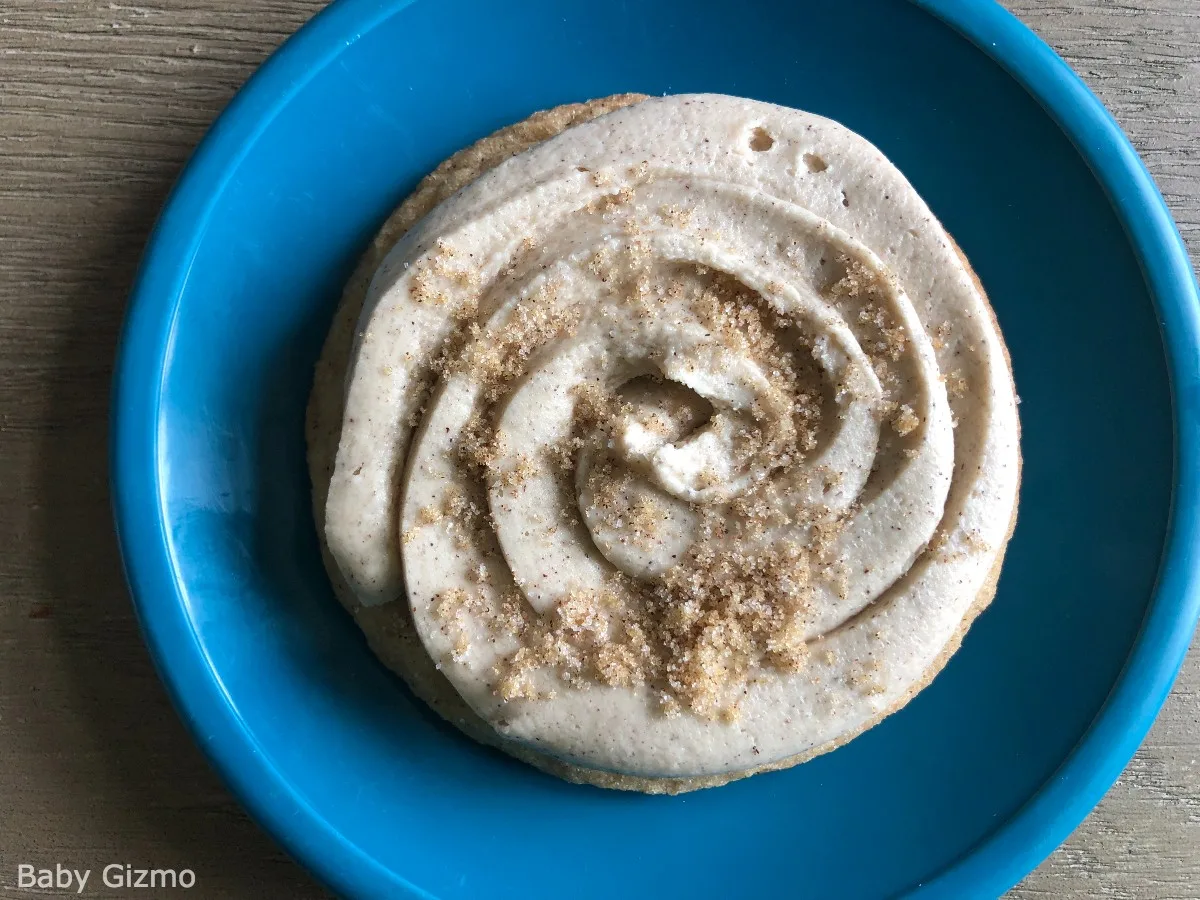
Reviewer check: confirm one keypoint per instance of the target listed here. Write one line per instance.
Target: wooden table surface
(100, 104)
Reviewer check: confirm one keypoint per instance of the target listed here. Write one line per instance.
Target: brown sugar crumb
(561, 454)
(595, 407)
(477, 446)
(466, 277)
(579, 613)
(645, 516)
(725, 612)
(734, 315)
(448, 604)
(423, 288)
(806, 414)
(579, 640)
(463, 314)
(601, 265)
(939, 541)
(448, 609)
(941, 336)
(427, 515)
(611, 201)
(871, 314)
(675, 216)
(884, 372)
(634, 227)
(956, 384)
(468, 519)
(514, 680)
(758, 510)
(864, 676)
(731, 715)
(824, 536)
(831, 479)
(513, 478)
(495, 359)
(440, 271)
(617, 665)
(512, 617)
(905, 421)
(856, 279)
(974, 541)
(637, 516)
(896, 341)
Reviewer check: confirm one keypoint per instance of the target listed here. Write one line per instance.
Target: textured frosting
(687, 435)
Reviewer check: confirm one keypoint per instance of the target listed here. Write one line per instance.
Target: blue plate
(960, 794)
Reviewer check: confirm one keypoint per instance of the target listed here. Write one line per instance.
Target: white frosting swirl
(653, 418)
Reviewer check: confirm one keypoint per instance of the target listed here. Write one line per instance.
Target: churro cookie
(663, 441)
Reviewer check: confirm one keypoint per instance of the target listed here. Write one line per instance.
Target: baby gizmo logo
(114, 875)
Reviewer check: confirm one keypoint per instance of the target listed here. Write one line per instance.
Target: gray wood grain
(1142, 57)
(100, 104)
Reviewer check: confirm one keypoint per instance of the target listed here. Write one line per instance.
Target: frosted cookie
(664, 446)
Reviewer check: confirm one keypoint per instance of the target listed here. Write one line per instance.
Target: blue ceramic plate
(960, 794)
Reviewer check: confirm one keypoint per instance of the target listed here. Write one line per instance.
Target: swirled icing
(687, 435)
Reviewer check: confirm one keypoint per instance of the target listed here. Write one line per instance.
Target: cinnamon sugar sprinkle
(739, 601)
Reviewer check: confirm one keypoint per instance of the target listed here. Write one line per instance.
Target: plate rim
(999, 860)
